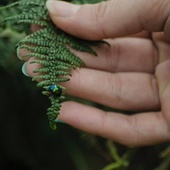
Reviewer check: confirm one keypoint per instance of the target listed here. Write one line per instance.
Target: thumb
(112, 18)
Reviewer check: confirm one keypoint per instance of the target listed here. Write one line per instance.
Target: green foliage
(119, 161)
(49, 45)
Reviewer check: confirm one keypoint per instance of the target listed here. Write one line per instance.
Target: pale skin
(132, 74)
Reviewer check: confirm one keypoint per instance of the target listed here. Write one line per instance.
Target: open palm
(132, 74)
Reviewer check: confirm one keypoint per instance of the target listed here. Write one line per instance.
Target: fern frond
(29, 21)
(51, 76)
(44, 83)
(49, 46)
(55, 68)
(49, 82)
(53, 112)
(9, 6)
(74, 42)
(42, 62)
(38, 3)
(24, 16)
(31, 41)
(83, 47)
(38, 50)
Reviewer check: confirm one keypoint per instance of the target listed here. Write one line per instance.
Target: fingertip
(68, 111)
(30, 67)
(24, 69)
(18, 53)
(61, 9)
(21, 52)
(75, 19)
(79, 116)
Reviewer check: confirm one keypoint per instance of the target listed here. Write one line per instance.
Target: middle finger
(127, 91)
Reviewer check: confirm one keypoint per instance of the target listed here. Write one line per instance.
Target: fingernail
(61, 9)
(24, 71)
(18, 53)
(59, 121)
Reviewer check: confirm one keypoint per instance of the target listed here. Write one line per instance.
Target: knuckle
(21, 52)
(101, 10)
(157, 14)
(115, 52)
(100, 15)
(134, 140)
(115, 86)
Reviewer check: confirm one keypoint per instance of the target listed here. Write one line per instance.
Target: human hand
(131, 74)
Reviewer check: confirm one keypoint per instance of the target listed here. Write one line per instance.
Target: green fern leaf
(49, 46)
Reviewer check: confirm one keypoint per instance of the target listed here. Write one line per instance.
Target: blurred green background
(28, 143)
